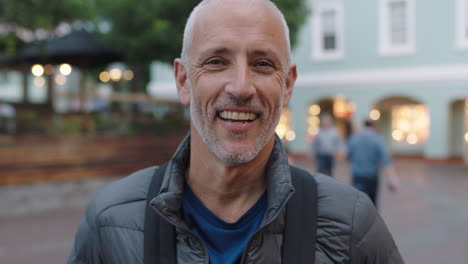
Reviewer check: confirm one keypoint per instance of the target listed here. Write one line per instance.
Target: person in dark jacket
(227, 186)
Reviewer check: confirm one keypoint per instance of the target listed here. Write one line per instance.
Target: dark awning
(80, 48)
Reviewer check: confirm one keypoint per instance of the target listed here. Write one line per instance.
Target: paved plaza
(428, 216)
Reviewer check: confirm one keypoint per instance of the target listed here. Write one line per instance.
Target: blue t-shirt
(367, 153)
(225, 241)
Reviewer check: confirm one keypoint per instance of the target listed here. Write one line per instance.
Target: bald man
(228, 195)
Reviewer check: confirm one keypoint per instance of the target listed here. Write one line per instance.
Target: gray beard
(230, 157)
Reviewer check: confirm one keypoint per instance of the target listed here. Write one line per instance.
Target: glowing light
(115, 74)
(314, 109)
(104, 76)
(290, 135)
(466, 137)
(412, 122)
(128, 75)
(397, 135)
(281, 130)
(65, 69)
(284, 124)
(60, 79)
(374, 114)
(412, 139)
(48, 69)
(313, 120)
(404, 125)
(39, 81)
(313, 130)
(340, 106)
(37, 70)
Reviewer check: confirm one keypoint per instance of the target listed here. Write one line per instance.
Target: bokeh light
(104, 76)
(65, 69)
(37, 70)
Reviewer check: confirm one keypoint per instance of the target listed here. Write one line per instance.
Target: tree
(30, 20)
(153, 29)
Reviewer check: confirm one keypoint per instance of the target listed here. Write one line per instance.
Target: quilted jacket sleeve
(371, 240)
(86, 247)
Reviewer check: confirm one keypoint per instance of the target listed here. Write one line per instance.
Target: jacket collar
(279, 187)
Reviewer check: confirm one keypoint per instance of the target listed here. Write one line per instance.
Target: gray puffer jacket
(349, 229)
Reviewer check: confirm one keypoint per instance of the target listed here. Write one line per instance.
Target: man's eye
(214, 62)
(264, 64)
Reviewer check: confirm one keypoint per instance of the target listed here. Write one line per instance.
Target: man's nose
(241, 85)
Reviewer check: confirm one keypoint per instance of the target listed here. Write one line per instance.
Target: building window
(396, 27)
(327, 25)
(461, 24)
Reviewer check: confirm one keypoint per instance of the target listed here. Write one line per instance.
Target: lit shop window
(410, 123)
(342, 108)
(283, 129)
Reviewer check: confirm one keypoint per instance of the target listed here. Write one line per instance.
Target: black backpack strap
(159, 235)
(300, 229)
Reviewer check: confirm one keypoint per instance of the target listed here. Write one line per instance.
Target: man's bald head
(189, 26)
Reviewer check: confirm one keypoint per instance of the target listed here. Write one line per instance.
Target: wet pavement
(428, 216)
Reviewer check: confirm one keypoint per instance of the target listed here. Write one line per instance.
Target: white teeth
(241, 116)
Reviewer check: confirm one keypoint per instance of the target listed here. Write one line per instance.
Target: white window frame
(461, 24)
(318, 52)
(386, 48)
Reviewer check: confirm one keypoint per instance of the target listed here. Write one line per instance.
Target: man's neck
(227, 191)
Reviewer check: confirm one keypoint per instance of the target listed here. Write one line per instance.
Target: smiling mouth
(237, 116)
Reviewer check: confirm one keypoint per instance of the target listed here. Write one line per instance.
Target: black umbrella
(79, 48)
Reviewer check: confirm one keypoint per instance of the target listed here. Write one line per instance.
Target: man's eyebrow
(216, 51)
(261, 52)
(265, 53)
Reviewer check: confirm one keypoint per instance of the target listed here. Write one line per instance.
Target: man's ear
(183, 89)
(290, 80)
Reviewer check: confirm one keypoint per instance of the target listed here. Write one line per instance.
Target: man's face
(237, 78)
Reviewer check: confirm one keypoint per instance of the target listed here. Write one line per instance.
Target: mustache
(234, 101)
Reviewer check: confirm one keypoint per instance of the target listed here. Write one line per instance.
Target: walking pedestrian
(367, 155)
(327, 146)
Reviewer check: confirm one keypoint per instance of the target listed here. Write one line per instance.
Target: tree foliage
(295, 13)
(23, 19)
(153, 29)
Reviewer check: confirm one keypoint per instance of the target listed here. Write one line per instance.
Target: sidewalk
(428, 216)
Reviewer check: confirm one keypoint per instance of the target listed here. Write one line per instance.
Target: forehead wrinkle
(215, 51)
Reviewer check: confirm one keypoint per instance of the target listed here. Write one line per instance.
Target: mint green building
(403, 63)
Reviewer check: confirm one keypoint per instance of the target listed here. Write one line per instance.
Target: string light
(374, 114)
(37, 70)
(104, 76)
(65, 69)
